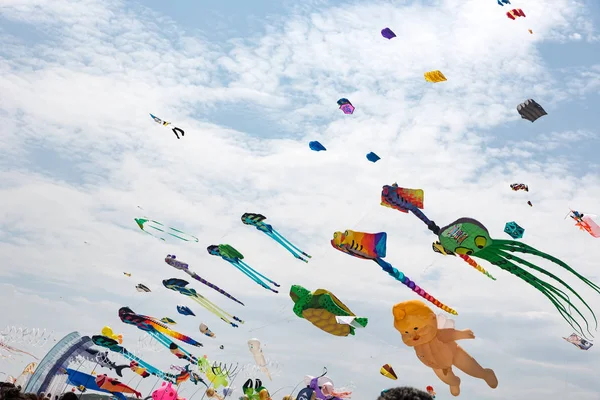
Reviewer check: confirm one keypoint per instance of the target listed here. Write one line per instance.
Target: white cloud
(80, 153)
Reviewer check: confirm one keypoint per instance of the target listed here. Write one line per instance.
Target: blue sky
(251, 84)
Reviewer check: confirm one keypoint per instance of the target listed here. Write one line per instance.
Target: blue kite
(316, 146)
(185, 310)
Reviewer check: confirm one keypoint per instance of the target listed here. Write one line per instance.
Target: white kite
(259, 357)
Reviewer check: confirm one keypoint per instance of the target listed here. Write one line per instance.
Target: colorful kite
(316, 146)
(87, 381)
(345, 106)
(435, 76)
(114, 386)
(255, 391)
(165, 123)
(204, 329)
(585, 223)
(321, 308)
(144, 223)
(179, 285)
(468, 236)
(136, 368)
(324, 389)
(108, 332)
(372, 246)
(142, 288)
(373, 157)
(430, 388)
(514, 13)
(185, 310)
(259, 357)
(578, 341)
(437, 347)
(168, 320)
(234, 257)
(530, 110)
(387, 371)
(257, 221)
(388, 33)
(170, 259)
(519, 186)
(438, 248)
(514, 230)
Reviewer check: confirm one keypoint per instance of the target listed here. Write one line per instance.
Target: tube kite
(234, 257)
(470, 237)
(257, 221)
(179, 285)
(173, 262)
(144, 224)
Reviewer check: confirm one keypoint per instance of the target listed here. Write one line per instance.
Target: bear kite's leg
(467, 364)
(449, 379)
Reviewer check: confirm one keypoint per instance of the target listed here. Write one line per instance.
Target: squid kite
(259, 357)
(159, 331)
(234, 257)
(257, 221)
(170, 259)
(372, 246)
(585, 223)
(468, 236)
(165, 123)
(144, 223)
(179, 285)
(204, 329)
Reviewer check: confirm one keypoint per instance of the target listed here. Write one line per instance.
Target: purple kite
(387, 33)
(345, 106)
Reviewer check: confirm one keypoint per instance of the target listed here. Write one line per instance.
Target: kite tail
(184, 239)
(213, 308)
(215, 287)
(162, 339)
(254, 275)
(175, 335)
(387, 267)
(153, 370)
(292, 248)
(419, 214)
(473, 264)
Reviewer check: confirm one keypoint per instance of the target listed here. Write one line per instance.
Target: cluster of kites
(433, 336)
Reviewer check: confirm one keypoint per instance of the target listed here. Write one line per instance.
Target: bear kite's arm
(451, 335)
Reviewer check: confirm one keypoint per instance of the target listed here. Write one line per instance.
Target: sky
(251, 83)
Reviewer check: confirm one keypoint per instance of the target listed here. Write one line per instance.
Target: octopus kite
(468, 236)
(257, 221)
(372, 246)
(144, 223)
(179, 285)
(234, 257)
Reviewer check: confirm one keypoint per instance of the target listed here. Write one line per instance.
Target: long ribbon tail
(213, 286)
(151, 369)
(182, 232)
(170, 345)
(219, 312)
(283, 241)
(387, 267)
(286, 246)
(254, 275)
(473, 264)
(175, 335)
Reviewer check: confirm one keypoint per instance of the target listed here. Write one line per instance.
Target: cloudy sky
(251, 83)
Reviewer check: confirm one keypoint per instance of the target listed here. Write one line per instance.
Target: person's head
(404, 393)
(68, 396)
(30, 396)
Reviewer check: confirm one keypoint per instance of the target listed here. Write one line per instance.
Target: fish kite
(470, 237)
(101, 358)
(234, 257)
(387, 371)
(144, 223)
(373, 157)
(346, 106)
(514, 230)
(179, 285)
(257, 221)
(204, 329)
(514, 13)
(85, 381)
(435, 76)
(388, 33)
(578, 341)
(185, 310)
(168, 320)
(259, 357)
(585, 223)
(142, 288)
(165, 123)
(316, 146)
(180, 265)
(372, 246)
(519, 186)
(113, 385)
(530, 110)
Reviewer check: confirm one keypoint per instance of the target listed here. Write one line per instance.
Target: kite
(519, 186)
(514, 13)
(13, 350)
(215, 374)
(349, 320)
(578, 341)
(257, 221)
(144, 223)
(435, 76)
(387, 371)
(388, 33)
(108, 332)
(234, 257)
(142, 288)
(530, 110)
(113, 385)
(373, 157)
(323, 388)
(255, 391)
(514, 230)
(165, 123)
(173, 262)
(259, 357)
(316, 146)
(500, 3)
(185, 310)
(179, 285)
(159, 331)
(436, 347)
(430, 388)
(321, 308)
(194, 377)
(141, 371)
(204, 329)
(101, 358)
(168, 320)
(127, 274)
(81, 379)
(166, 392)
(345, 106)
(221, 347)
(438, 248)
(468, 236)
(585, 223)
(372, 246)
(530, 205)
(113, 345)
